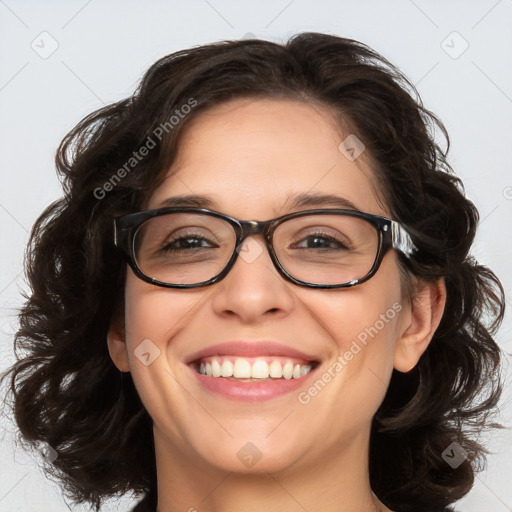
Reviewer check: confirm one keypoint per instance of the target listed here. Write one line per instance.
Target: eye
(321, 241)
(187, 242)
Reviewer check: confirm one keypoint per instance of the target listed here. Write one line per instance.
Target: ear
(420, 321)
(117, 346)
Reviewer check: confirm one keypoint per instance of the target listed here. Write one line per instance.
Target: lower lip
(250, 391)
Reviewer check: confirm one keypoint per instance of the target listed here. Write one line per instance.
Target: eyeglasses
(186, 247)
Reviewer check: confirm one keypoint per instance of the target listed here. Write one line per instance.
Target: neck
(338, 482)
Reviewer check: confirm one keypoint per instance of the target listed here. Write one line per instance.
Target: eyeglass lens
(190, 248)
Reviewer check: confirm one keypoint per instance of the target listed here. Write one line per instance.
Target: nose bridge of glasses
(252, 227)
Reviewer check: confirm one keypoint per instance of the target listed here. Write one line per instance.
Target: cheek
(363, 335)
(356, 315)
(362, 330)
(153, 316)
(362, 323)
(156, 313)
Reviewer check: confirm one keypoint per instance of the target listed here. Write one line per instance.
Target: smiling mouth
(258, 369)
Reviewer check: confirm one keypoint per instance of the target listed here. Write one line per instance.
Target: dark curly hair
(64, 387)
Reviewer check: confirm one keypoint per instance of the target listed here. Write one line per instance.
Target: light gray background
(103, 49)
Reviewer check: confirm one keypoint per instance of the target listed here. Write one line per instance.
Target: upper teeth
(257, 369)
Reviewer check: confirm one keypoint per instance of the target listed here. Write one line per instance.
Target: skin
(250, 155)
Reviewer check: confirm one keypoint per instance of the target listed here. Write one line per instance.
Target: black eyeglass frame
(391, 234)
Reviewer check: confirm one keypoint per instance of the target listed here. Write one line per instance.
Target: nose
(253, 287)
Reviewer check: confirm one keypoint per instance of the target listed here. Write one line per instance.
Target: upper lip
(249, 349)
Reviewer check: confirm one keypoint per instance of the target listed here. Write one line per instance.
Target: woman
(257, 294)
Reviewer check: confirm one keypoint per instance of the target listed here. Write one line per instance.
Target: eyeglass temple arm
(115, 233)
(119, 234)
(401, 239)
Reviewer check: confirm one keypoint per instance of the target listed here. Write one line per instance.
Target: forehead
(252, 157)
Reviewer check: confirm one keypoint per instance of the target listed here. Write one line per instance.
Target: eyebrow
(293, 201)
(198, 201)
(331, 200)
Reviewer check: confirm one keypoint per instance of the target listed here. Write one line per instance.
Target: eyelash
(325, 236)
(167, 246)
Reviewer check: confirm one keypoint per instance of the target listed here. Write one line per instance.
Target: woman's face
(251, 157)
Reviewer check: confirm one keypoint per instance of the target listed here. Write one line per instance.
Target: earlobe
(117, 349)
(420, 323)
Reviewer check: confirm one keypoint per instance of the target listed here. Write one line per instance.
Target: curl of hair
(66, 390)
